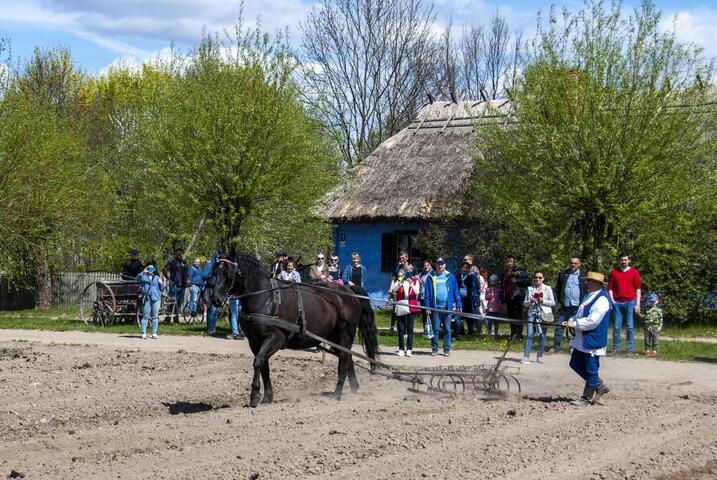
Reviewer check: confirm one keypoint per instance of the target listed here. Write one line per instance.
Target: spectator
(196, 285)
(442, 293)
(427, 327)
(178, 274)
(290, 274)
(406, 292)
(624, 291)
(569, 292)
(494, 304)
(403, 270)
(653, 324)
(482, 275)
(468, 286)
(355, 274)
(150, 298)
(514, 283)
(539, 298)
(591, 323)
(334, 270)
(277, 266)
(318, 272)
(234, 310)
(132, 267)
(212, 312)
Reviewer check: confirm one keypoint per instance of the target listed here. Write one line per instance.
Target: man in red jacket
(624, 291)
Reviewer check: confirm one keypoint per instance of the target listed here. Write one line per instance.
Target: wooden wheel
(97, 304)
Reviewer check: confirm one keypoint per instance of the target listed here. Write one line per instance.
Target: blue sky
(103, 32)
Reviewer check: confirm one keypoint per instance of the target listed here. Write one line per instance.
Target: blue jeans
(437, 318)
(150, 309)
(587, 366)
(194, 292)
(620, 311)
(212, 314)
(178, 294)
(563, 316)
(534, 328)
(234, 309)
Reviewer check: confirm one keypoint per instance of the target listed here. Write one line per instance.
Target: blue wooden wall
(365, 238)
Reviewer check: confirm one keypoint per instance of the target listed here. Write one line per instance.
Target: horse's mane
(251, 268)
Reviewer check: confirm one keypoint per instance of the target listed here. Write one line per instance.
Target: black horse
(327, 313)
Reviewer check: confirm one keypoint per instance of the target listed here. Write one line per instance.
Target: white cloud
(697, 26)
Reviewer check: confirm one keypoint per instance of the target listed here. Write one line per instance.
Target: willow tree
(228, 139)
(610, 148)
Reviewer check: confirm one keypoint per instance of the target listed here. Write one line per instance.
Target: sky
(101, 33)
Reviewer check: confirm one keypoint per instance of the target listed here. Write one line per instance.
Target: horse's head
(226, 276)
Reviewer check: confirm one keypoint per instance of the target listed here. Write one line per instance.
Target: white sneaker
(154, 336)
(525, 361)
(400, 353)
(144, 336)
(540, 360)
(409, 353)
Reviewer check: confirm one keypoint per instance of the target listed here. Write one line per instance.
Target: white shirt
(589, 320)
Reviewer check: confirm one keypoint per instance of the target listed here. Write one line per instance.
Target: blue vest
(597, 337)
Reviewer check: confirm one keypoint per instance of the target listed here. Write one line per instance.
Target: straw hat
(595, 277)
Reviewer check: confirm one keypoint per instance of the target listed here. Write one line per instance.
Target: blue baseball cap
(440, 260)
(653, 298)
(134, 251)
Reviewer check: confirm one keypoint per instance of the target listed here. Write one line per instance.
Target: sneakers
(237, 337)
(582, 401)
(154, 336)
(433, 354)
(409, 353)
(401, 353)
(446, 354)
(601, 390)
(525, 361)
(654, 353)
(144, 336)
(211, 332)
(630, 354)
(540, 360)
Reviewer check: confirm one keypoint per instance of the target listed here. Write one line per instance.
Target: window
(394, 243)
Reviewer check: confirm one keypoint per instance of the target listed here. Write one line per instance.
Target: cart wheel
(97, 304)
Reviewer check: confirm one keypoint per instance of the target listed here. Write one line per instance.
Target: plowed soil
(76, 405)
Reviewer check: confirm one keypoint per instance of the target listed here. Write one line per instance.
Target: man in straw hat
(591, 323)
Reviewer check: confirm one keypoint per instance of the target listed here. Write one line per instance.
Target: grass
(678, 347)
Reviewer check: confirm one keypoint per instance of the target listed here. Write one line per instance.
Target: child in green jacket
(653, 324)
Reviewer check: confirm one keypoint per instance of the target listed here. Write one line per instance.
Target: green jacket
(653, 318)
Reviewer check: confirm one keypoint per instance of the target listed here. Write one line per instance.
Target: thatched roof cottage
(396, 191)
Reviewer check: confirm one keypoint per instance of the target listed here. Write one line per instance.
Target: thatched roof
(409, 173)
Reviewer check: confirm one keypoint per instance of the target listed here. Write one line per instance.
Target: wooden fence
(66, 289)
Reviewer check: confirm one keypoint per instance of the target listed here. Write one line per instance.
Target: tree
(609, 149)
(368, 65)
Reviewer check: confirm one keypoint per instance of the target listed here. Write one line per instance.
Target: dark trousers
(515, 312)
(650, 339)
(587, 366)
(470, 322)
(405, 327)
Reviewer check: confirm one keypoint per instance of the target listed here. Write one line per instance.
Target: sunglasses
(538, 278)
(319, 258)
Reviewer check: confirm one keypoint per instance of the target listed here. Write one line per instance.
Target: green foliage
(609, 150)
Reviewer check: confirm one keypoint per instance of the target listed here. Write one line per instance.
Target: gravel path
(87, 405)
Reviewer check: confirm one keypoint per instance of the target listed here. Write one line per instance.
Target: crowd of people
(442, 299)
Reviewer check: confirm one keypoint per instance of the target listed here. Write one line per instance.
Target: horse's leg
(343, 370)
(353, 381)
(268, 391)
(261, 366)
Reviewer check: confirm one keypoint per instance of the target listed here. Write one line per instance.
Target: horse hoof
(328, 394)
(253, 403)
(267, 399)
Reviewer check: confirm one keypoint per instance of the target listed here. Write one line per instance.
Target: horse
(330, 312)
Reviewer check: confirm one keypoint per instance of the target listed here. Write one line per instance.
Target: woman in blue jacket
(355, 274)
(150, 299)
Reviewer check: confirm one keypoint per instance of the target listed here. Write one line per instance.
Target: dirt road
(79, 405)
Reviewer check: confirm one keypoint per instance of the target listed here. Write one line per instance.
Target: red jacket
(623, 284)
(412, 292)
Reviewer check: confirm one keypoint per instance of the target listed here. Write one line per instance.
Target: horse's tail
(367, 326)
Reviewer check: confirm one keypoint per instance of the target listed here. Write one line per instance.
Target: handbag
(402, 308)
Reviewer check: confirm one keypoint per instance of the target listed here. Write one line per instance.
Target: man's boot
(601, 390)
(586, 398)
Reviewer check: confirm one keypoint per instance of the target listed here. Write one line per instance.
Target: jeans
(563, 316)
(405, 327)
(234, 309)
(150, 309)
(620, 311)
(587, 366)
(437, 318)
(534, 328)
(212, 314)
(194, 292)
(178, 294)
